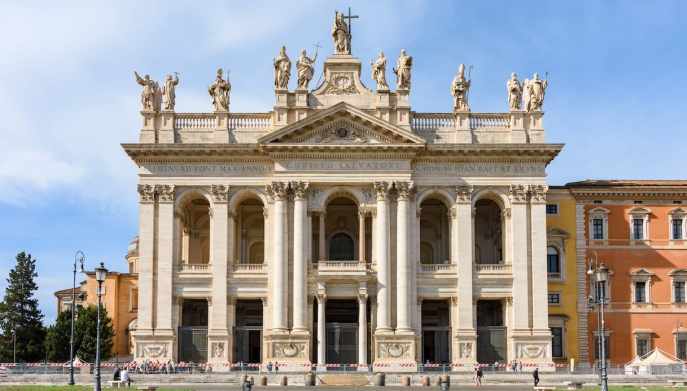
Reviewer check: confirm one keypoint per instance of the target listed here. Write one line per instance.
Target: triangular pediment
(341, 124)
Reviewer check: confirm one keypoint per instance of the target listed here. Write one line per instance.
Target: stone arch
(192, 226)
(489, 226)
(189, 194)
(499, 197)
(354, 194)
(244, 194)
(440, 194)
(434, 228)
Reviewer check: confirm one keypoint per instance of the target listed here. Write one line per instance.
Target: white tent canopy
(656, 362)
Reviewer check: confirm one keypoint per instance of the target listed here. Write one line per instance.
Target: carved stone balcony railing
(436, 268)
(426, 121)
(494, 269)
(193, 267)
(194, 120)
(489, 120)
(249, 268)
(250, 120)
(337, 269)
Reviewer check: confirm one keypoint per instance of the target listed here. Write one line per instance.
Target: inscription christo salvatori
(243, 169)
(352, 165)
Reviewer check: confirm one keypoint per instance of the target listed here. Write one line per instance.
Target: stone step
(340, 379)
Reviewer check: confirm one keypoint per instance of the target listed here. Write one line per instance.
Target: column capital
(146, 193)
(165, 193)
(220, 193)
(278, 191)
(538, 194)
(464, 194)
(517, 194)
(381, 190)
(404, 190)
(300, 189)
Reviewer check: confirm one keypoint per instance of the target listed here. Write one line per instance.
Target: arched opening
(341, 247)
(434, 232)
(341, 228)
(488, 232)
(194, 219)
(250, 232)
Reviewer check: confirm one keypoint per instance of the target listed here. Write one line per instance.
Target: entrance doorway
(341, 329)
(436, 331)
(193, 332)
(491, 332)
(248, 331)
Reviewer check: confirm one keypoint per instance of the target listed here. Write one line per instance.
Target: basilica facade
(341, 226)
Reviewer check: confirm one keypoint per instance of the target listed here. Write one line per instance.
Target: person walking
(478, 375)
(535, 376)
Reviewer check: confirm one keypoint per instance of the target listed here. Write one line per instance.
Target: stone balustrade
(493, 268)
(489, 120)
(427, 121)
(250, 120)
(436, 268)
(193, 267)
(194, 120)
(248, 267)
(341, 266)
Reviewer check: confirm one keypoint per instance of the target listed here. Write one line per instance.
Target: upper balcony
(186, 270)
(340, 269)
(436, 270)
(493, 271)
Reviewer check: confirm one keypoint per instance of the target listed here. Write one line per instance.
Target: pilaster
(146, 244)
(219, 233)
(165, 261)
(520, 258)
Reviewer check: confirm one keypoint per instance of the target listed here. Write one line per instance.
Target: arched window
(488, 233)
(553, 262)
(341, 248)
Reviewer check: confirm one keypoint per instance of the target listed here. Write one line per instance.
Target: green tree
(57, 338)
(85, 333)
(19, 314)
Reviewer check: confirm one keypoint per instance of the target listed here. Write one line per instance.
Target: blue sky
(617, 95)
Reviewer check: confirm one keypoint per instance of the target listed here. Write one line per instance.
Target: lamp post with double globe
(79, 258)
(100, 275)
(598, 273)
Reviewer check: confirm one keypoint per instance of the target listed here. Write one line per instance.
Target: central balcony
(340, 268)
(193, 271)
(493, 271)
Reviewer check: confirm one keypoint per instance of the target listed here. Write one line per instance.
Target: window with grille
(553, 260)
(551, 209)
(557, 342)
(642, 346)
(554, 298)
(598, 229)
(679, 291)
(677, 229)
(681, 348)
(640, 292)
(638, 229)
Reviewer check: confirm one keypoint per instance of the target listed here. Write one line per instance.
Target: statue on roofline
(459, 89)
(379, 72)
(402, 70)
(150, 95)
(219, 91)
(535, 89)
(305, 68)
(282, 70)
(341, 35)
(514, 88)
(168, 91)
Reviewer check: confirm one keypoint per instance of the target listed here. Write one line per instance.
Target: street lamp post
(14, 346)
(100, 274)
(600, 273)
(80, 258)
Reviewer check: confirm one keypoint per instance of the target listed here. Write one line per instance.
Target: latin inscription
(238, 169)
(480, 169)
(344, 165)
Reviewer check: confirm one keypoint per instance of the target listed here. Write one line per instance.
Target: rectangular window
(679, 291)
(557, 342)
(638, 229)
(554, 298)
(598, 229)
(134, 299)
(642, 346)
(551, 209)
(640, 292)
(597, 347)
(677, 229)
(681, 348)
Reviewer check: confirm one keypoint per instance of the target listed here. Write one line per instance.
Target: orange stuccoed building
(638, 229)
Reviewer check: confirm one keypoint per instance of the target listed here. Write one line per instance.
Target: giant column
(218, 333)
(146, 243)
(382, 247)
(165, 263)
(278, 303)
(299, 254)
(465, 347)
(519, 242)
(403, 274)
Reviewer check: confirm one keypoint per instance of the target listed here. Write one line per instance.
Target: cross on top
(350, 28)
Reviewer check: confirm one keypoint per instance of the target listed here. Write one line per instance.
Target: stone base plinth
(465, 350)
(156, 346)
(533, 350)
(395, 353)
(219, 352)
(291, 352)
